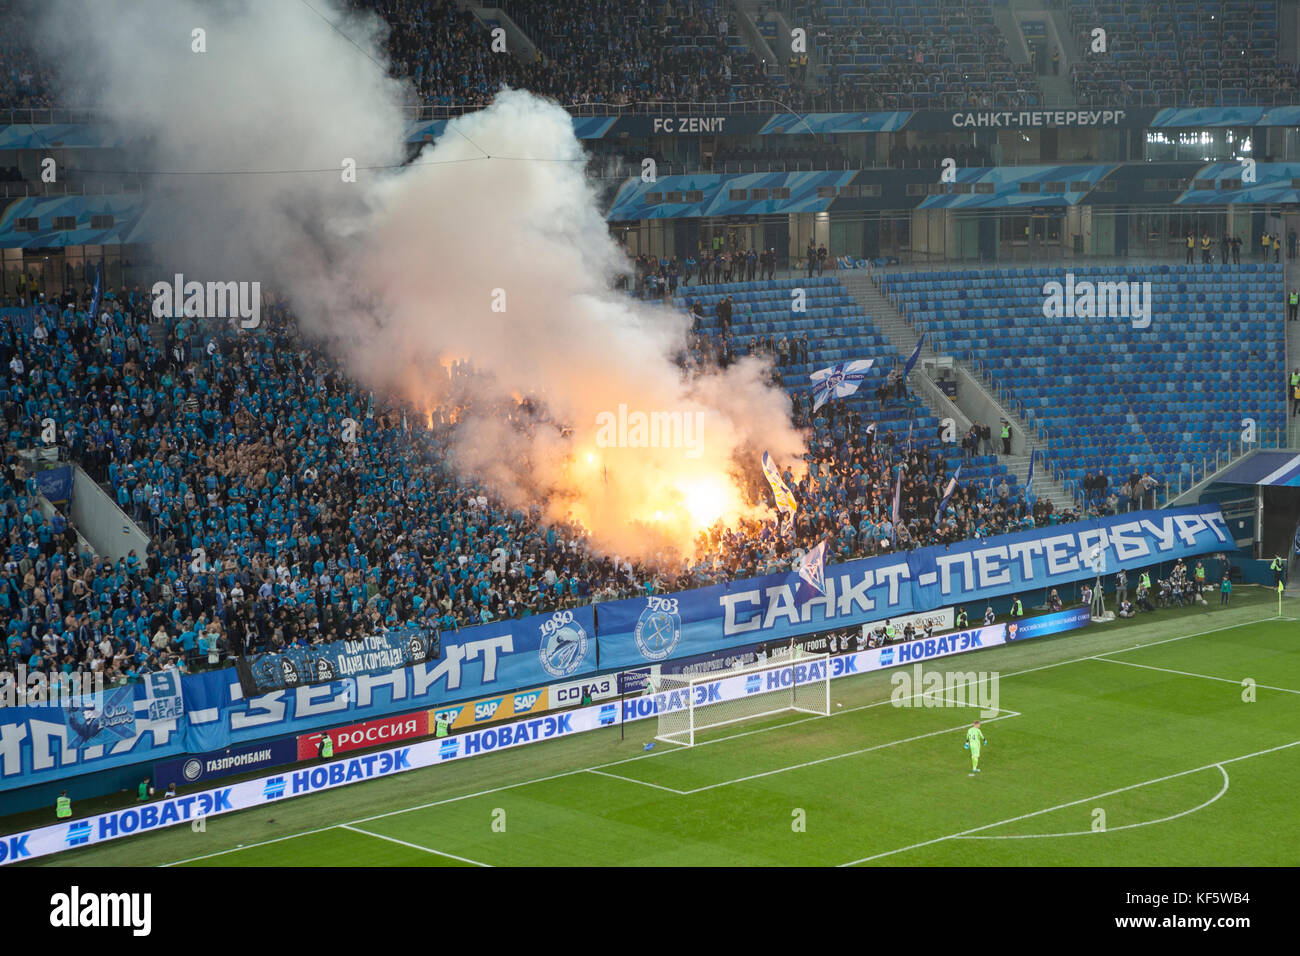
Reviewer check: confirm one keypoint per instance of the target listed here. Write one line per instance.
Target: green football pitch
(1170, 740)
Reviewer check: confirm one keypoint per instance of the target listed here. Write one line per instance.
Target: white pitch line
(413, 846)
(851, 753)
(1072, 803)
(1127, 826)
(615, 763)
(1169, 670)
(644, 783)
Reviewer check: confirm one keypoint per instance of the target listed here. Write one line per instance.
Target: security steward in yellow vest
(1205, 250)
(326, 747)
(1292, 302)
(63, 806)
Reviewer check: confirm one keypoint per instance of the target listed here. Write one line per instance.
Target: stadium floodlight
(799, 681)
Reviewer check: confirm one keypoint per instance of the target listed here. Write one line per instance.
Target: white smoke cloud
(403, 268)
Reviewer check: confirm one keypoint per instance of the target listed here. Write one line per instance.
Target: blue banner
(476, 662)
(55, 484)
(322, 663)
(183, 771)
(697, 622)
(1049, 624)
(100, 720)
(38, 744)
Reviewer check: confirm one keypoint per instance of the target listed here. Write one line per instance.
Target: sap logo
(526, 702)
(607, 714)
(486, 709)
(886, 656)
(753, 683)
(15, 847)
(448, 749)
(448, 713)
(79, 833)
(274, 788)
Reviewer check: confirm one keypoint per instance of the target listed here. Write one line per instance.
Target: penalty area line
(1128, 826)
(1170, 670)
(413, 846)
(1072, 803)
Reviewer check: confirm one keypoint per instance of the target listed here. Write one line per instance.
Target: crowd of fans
(25, 82)
(1157, 56)
(924, 56)
(602, 52)
(267, 528)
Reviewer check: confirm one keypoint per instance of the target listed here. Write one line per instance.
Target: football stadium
(716, 433)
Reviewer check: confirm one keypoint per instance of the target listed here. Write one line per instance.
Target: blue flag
(1029, 481)
(952, 486)
(898, 492)
(838, 381)
(95, 297)
(916, 354)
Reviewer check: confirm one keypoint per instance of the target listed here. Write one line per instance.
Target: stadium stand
(849, 489)
(914, 54)
(1178, 396)
(1184, 53)
(25, 82)
(229, 446)
(608, 52)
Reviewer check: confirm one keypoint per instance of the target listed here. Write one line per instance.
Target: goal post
(794, 680)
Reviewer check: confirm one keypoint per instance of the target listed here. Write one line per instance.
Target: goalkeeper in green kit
(974, 741)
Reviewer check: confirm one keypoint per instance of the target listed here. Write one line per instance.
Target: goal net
(789, 680)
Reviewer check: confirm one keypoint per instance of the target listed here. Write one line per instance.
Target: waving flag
(916, 354)
(812, 568)
(784, 499)
(947, 493)
(838, 381)
(1029, 481)
(898, 492)
(95, 297)
(909, 437)
(1297, 539)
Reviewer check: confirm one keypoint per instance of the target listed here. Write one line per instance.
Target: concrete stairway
(1045, 486)
(903, 337)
